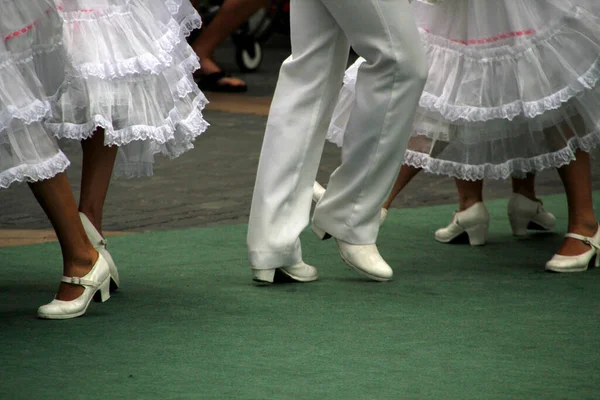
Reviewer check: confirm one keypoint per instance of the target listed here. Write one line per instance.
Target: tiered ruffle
(31, 72)
(133, 78)
(505, 105)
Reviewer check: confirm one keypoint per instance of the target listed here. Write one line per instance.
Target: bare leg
(79, 256)
(525, 187)
(231, 15)
(406, 174)
(98, 163)
(469, 193)
(577, 180)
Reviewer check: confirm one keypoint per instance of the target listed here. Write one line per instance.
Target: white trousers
(388, 88)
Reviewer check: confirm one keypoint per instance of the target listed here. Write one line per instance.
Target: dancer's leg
(406, 174)
(577, 180)
(525, 187)
(56, 199)
(98, 163)
(231, 15)
(469, 193)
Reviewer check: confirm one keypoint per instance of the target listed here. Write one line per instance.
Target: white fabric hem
(120, 137)
(511, 168)
(35, 172)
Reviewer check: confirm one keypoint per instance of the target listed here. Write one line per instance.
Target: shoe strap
(79, 281)
(587, 240)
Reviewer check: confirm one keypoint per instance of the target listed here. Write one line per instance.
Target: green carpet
(456, 323)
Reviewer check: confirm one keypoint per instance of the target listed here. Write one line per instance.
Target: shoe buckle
(589, 242)
(74, 280)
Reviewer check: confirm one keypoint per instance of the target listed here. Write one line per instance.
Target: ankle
(466, 203)
(526, 193)
(94, 217)
(208, 63)
(80, 264)
(585, 228)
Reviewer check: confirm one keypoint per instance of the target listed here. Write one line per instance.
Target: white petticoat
(31, 71)
(132, 77)
(513, 87)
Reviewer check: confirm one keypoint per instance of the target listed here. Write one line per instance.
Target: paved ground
(213, 183)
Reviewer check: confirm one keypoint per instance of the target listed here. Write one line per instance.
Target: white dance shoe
(525, 214)
(97, 287)
(299, 272)
(319, 192)
(364, 259)
(99, 244)
(580, 263)
(473, 222)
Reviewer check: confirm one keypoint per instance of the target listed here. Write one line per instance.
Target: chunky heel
(518, 225)
(263, 275)
(478, 234)
(103, 292)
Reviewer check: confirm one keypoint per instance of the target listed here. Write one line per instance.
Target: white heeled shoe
(525, 214)
(97, 287)
(299, 272)
(99, 243)
(364, 259)
(319, 192)
(474, 222)
(580, 263)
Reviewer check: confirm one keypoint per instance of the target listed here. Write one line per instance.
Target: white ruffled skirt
(132, 77)
(31, 72)
(513, 87)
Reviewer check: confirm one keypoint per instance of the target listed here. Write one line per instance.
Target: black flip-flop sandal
(211, 83)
